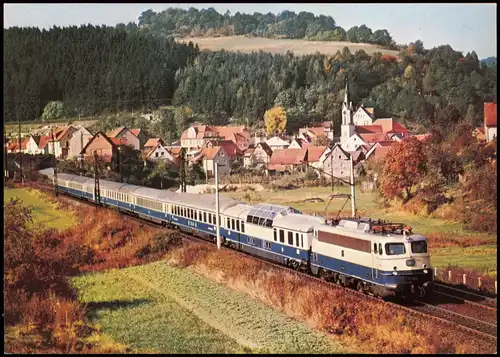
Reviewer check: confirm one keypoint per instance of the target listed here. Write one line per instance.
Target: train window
(419, 247)
(282, 236)
(262, 221)
(269, 223)
(238, 226)
(209, 218)
(290, 238)
(213, 219)
(342, 253)
(249, 219)
(205, 217)
(375, 248)
(297, 239)
(232, 225)
(243, 226)
(255, 220)
(228, 223)
(380, 248)
(395, 248)
(275, 235)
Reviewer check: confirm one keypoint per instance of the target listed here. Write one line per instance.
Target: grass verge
(173, 310)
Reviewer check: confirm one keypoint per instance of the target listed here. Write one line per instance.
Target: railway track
(469, 325)
(467, 297)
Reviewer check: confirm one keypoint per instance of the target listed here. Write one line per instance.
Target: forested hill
(435, 86)
(288, 24)
(88, 68)
(92, 69)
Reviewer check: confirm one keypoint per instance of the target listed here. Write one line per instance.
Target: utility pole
(20, 154)
(6, 157)
(182, 168)
(353, 193)
(55, 163)
(97, 189)
(217, 212)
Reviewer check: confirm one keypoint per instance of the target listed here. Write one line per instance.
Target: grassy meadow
(298, 47)
(44, 212)
(172, 310)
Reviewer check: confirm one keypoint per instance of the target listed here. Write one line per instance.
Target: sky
(465, 27)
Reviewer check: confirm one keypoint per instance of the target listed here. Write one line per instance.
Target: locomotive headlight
(425, 271)
(395, 272)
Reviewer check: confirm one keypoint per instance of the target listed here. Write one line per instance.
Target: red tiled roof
(60, 134)
(119, 141)
(302, 143)
(152, 142)
(229, 147)
(135, 131)
(208, 153)
(373, 138)
(386, 143)
(44, 140)
(390, 125)
(490, 114)
(315, 152)
(288, 157)
(115, 132)
(380, 152)
(368, 129)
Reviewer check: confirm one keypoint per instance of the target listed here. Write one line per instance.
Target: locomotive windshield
(419, 247)
(395, 248)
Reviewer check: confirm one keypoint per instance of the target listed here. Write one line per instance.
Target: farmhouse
(260, 155)
(60, 145)
(277, 143)
(209, 156)
(124, 133)
(105, 147)
(287, 160)
(78, 140)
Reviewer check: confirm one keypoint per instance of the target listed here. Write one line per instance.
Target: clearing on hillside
(298, 47)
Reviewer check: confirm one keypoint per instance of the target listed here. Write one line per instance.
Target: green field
(481, 258)
(173, 310)
(43, 211)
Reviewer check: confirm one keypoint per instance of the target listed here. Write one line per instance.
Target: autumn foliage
(275, 120)
(404, 167)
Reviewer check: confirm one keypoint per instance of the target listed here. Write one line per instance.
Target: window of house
(156, 154)
(162, 153)
(290, 238)
(282, 236)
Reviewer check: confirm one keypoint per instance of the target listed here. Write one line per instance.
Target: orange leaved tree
(404, 168)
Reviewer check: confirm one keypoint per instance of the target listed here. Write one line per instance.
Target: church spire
(346, 96)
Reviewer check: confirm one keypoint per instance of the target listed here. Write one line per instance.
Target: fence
(469, 280)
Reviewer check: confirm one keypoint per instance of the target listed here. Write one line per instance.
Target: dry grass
(298, 47)
(373, 325)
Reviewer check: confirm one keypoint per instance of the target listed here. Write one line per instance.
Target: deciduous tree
(404, 167)
(275, 120)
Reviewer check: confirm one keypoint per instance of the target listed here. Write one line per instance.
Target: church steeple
(346, 95)
(347, 127)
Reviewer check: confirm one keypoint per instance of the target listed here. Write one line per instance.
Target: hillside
(298, 47)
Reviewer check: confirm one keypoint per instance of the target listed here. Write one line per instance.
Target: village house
(299, 143)
(125, 133)
(139, 133)
(311, 134)
(105, 147)
(260, 156)
(259, 135)
(43, 145)
(209, 156)
(61, 143)
(14, 145)
(160, 152)
(316, 155)
(337, 162)
(152, 142)
(490, 121)
(233, 152)
(196, 136)
(379, 150)
(277, 143)
(33, 145)
(78, 140)
(247, 157)
(287, 160)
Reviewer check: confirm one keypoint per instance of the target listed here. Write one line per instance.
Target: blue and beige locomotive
(372, 256)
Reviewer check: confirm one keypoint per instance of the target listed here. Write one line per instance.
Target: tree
(404, 167)
(275, 120)
(160, 171)
(322, 141)
(196, 175)
(53, 110)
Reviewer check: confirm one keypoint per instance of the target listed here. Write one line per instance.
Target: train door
(375, 254)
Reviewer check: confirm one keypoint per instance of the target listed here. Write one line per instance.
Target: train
(376, 257)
